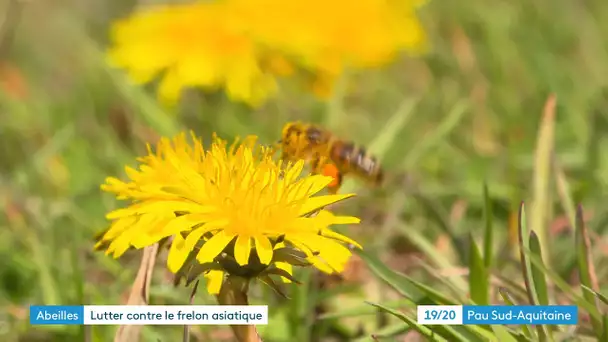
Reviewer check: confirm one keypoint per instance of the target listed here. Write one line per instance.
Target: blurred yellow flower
(235, 198)
(331, 35)
(244, 45)
(192, 45)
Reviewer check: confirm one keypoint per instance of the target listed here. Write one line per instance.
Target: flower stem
(234, 292)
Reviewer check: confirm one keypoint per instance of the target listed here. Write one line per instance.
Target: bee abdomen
(342, 152)
(366, 165)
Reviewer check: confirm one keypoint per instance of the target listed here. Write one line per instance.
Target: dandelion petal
(333, 219)
(118, 227)
(214, 247)
(177, 225)
(196, 235)
(335, 255)
(319, 202)
(215, 279)
(336, 236)
(331, 253)
(242, 249)
(315, 183)
(119, 246)
(321, 265)
(264, 249)
(178, 253)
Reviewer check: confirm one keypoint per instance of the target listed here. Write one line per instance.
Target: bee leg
(316, 165)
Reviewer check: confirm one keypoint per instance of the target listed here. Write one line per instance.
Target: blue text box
(520, 314)
(56, 314)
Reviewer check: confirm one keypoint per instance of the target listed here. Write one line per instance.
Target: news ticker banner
(149, 315)
(497, 314)
(258, 314)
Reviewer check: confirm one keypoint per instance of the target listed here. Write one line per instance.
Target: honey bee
(327, 154)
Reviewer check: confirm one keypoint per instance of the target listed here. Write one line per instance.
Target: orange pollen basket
(332, 170)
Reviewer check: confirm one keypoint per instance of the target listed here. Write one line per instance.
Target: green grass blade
(364, 309)
(300, 304)
(451, 121)
(470, 333)
(586, 269)
(393, 127)
(478, 276)
(516, 290)
(527, 267)
(436, 213)
(488, 238)
(508, 298)
(49, 289)
(564, 286)
(403, 284)
(79, 281)
(387, 332)
(439, 260)
(391, 278)
(436, 296)
(563, 192)
(525, 261)
(601, 297)
(502, 334)
(460, 295)
(429, 332)
(540, 282)
(604, 336)
(422, 330)
(542, 175)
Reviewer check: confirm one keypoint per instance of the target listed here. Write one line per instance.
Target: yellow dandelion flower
(193, 45)
(331, 35)
(235, 198)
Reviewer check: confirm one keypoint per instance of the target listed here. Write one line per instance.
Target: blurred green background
(468, 111)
